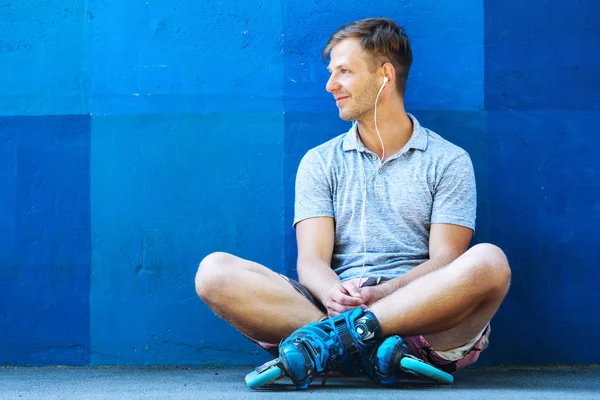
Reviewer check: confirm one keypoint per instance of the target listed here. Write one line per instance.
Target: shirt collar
(418, 139)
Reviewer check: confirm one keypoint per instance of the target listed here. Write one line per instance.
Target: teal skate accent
(423, 369)
(257, 379)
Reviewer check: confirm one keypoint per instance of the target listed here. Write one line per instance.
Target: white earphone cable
(364, 202)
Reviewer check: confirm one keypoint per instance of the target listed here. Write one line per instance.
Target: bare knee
(489, 266)
(213, 273)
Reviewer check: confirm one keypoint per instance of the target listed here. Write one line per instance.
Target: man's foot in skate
(382, 363)
(322, 346)
(390, 362)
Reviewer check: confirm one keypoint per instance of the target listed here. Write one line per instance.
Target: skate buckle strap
(346, 337)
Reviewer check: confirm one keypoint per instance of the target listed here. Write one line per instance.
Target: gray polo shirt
(429, 181)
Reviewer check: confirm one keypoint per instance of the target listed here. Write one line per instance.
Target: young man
(384, 215)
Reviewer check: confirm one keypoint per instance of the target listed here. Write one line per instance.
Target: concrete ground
(212, 383)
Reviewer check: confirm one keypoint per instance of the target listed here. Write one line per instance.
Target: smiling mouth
(340, 99)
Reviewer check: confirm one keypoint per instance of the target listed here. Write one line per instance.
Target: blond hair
(383, 40)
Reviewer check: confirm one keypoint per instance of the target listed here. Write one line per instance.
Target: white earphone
(364, 202)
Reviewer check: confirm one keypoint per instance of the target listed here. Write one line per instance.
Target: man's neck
(395, 128)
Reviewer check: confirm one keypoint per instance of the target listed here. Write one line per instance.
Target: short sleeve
(314, 193)
(455, 197)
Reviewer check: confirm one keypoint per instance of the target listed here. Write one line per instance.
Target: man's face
(352, 84)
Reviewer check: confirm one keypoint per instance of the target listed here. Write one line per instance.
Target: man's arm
(447, 242)
(316, 238)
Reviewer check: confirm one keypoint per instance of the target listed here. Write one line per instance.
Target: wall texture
(137, 137)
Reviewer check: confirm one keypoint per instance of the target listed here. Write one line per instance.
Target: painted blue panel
(447, 41)
(187, 56)
(545, 213)
(542, 76)
(172, 185)
(551, 61)
(44, 57)
(168, 190)
(45, 256)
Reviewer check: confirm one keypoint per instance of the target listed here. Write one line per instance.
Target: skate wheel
(424, 369)
(256, 379)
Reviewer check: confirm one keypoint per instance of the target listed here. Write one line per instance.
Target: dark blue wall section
(45, 236)
(545, 214)
(541, 87)
(542, 55)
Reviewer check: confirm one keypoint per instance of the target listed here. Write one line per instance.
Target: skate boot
(382, 363)
(390, 362)
(347, 343)
(320, 347)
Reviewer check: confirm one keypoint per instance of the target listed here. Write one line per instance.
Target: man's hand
(372, 294)
(342, 297)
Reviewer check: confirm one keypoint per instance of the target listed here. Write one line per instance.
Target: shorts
(449, 361)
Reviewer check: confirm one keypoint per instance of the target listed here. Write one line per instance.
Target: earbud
(385, 80)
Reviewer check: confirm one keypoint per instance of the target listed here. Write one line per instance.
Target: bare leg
(254, 299)
(452, 305)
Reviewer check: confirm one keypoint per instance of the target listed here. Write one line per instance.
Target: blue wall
(45, 235)
(136, 138)
(542, 93)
